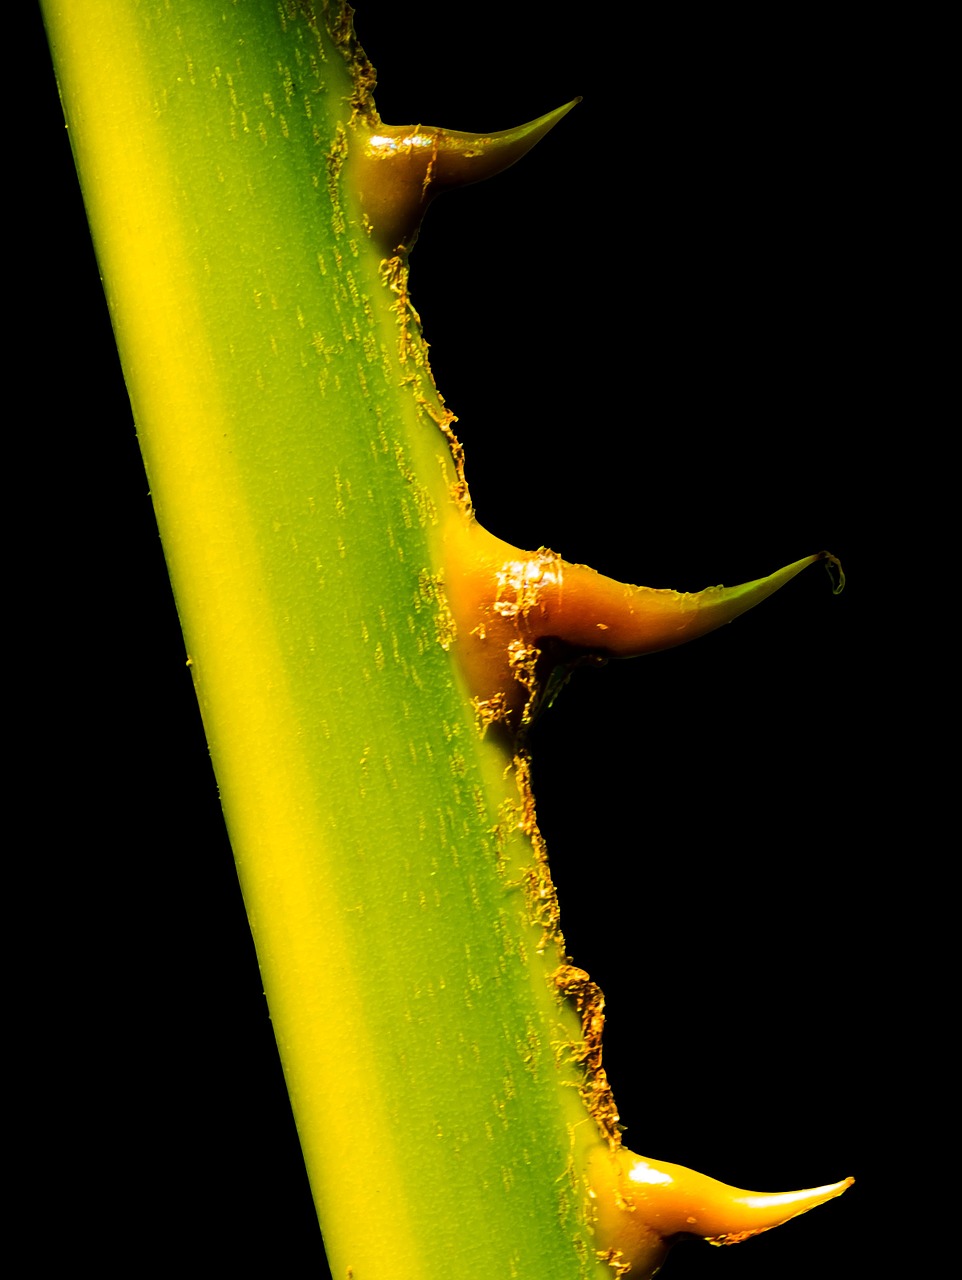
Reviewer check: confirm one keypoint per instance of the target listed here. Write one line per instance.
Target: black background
(659, 335)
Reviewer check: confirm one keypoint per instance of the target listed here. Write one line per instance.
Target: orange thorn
(397, 170)
(503, 599)
(640, 1206)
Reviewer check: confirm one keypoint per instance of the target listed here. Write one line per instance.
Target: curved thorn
(639, 1207)
(397, 170)
(502, 598)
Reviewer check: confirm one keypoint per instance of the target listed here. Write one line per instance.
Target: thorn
(640, 1206)
(559, 613)
(397, 170)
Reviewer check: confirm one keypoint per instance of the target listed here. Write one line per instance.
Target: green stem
(297, 473)
(673, 705)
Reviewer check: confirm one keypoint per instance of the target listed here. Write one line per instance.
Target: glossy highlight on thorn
(397, 170)
(641, 1206)
(559, 613)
